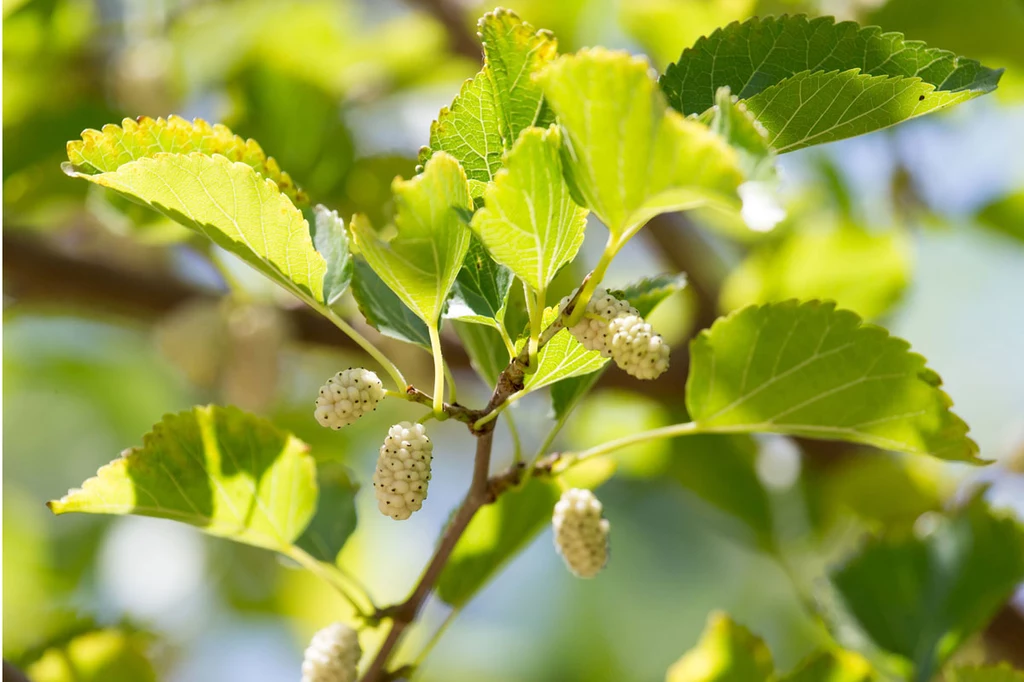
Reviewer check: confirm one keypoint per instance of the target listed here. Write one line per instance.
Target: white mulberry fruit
(636, 348)
(403, 470)
(581, 534)
(592, 329)
(347, 396)
(332, 655)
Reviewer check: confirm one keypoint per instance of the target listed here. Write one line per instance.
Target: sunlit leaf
(839, 73)
(832, 666)
(331, 241)
(234, 206)
(560, 358)
(736, 124)
(383, 310)
(922, 596)
(1005, 215)
(335, 516)
(863, 271)
(629, 157)
(97, 656)
(421, 262)
(529, 222)
(491, 109)
(227, 472)
(106, 150)
(808, 369)
(726, 652)
(645, 294)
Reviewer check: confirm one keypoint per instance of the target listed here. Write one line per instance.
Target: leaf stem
(452, 395)
(685, 429)
(435, 348)
(333, 577)
(372, 351)
(593, 279)
(535, 304)
(510, 345)
(435, 638)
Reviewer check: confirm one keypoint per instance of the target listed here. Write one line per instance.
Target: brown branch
(12, 674)
(405, 613)
(461, 38)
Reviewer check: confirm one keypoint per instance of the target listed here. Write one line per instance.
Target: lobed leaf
(234, 206)
(627, 156)
(753, 56)
(810, 370)
(421, 262)
(485, 119)
(529, 222)
(922, 596)
(229, 473)
(106, 150)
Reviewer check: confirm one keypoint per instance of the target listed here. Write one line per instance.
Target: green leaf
(726, 652)
(732, 120)
(863, 271)
(560, 358)
(565, 394)
(832, 666)
(491, 109)
(335, 517)
(234, 206)
(104, 151)
(331, 241)
(922, 596)
(1005, 215)
(760, 53)
(97, 656)
(721, 469)
(810, 370)
(645, 294)
(487, 352)
(1001, 673)
(230, 473)
(481, 289)
(496, 534)
(384, 310)
(815, 107)
(529, 222)
(627, 156)
(421, 262)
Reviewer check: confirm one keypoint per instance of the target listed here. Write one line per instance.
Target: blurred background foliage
(113, 316)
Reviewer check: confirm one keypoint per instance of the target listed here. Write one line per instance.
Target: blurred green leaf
(330, 238)
(633, 412)
(491, 109)
(1001, 673)
(480, 292)
(808, 369)
(862, 271)
(726, 652)
(496, 534)
(335, 516)
(1005, 215)
(832, 666)
(565, 394)
(627, 156)
(99, 656)
(922, 596)
(421, 262)
(529, 222)
(663, 27)
(811, 81)
(384, 310)
(108, 150)
(229, 473)
(234, 206)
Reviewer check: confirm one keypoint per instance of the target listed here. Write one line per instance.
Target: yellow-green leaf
(726, 652)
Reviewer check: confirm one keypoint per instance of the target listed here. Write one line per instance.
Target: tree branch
(450, 15)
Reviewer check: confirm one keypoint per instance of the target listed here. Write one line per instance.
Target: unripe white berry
(332, 655)
(403, 470)
(636, 348)
(347, 396)
(592, 329)
(581, 534)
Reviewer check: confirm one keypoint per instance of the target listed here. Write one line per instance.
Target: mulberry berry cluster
(347, 396)
(581, 534)
(332, 655)
(617, 330)
(403, 470)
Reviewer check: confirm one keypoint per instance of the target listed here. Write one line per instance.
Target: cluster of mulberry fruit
(347, 396)
(617, 330)
(332, 655)
(581, 533)
(403, 470)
